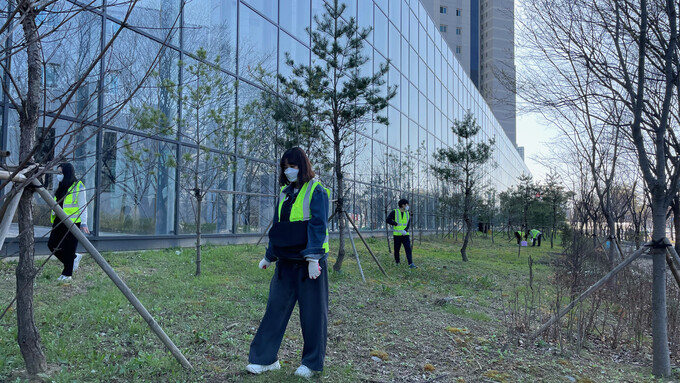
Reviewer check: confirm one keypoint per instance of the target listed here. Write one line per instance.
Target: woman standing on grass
(298, 240)
(71, 196)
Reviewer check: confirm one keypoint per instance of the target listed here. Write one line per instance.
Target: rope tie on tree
(660, 244)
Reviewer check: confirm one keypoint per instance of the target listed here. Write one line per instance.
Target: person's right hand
(264, 263)
(313, 268)
(404, 232)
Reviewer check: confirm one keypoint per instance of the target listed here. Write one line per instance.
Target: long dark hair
(296, 156)
(69, 179)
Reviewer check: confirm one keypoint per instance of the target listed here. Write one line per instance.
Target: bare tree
(626, 51)
(51, 31)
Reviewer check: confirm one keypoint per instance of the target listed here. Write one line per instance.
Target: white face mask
(291, 174)
(406, 208)
(60, 177)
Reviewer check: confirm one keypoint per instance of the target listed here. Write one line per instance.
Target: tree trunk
(468, 227)
(340, 194)
(552, 233)
(676, 222)
(28, 336)
(198, 193)
(198, 235)
(611, 251)
(661, 360)
(387, 235)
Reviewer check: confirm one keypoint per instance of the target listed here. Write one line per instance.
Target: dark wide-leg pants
(63, 244)
(398, 241)
(291, 284)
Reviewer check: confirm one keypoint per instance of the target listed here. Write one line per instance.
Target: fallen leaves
(380, 354)
(457, 330)
(496, 375)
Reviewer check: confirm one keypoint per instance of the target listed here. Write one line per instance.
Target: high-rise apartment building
(481, 34)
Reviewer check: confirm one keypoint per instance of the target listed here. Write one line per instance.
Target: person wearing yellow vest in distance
(535, 235)
(400, 219)
(71, 196)
(519, 234)
(298, 243)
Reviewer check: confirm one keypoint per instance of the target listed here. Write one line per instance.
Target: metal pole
(365, 244)
(356, 254)
(61, 215)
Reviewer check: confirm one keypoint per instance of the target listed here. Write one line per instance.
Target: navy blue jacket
(316, 226)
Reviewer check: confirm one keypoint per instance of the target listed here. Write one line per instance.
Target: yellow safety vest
(301, 209)
(402, 221)
(71, 203)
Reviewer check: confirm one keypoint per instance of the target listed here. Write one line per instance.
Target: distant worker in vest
(535, 235)
(400, 219)
(298, 243)
(519, 234)
(71, 196)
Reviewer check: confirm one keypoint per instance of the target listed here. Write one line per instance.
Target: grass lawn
(90, 332)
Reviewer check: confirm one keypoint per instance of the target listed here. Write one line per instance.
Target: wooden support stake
(356, 253)
(8, 210)
(365, 244)
(61, 215)
(671, 266)
(265, 232)
(671, 249)
(332, 216)
(590, 290)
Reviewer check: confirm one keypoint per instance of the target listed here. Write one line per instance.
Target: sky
(533, 131)
(536, 135)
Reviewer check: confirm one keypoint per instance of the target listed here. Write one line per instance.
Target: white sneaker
(304, 371)
(258, 368)
(76, 262)
(64, 278)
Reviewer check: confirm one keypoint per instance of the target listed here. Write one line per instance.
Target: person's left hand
(313, 268)
(84, 228)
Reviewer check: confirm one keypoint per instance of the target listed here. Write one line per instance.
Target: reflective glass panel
(380, 32)
(152, 108)
(158, 18)
(257, 44)
(365, 16)
(394, 129)
(138, 188)
(295, 51)
(295, 17)
(211, 25)
(268, 8)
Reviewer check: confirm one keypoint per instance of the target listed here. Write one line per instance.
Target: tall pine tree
(337, 97)
(462, 166)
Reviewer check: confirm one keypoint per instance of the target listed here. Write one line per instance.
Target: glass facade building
(139, 189)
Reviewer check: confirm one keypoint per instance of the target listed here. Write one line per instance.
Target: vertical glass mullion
(99, 127)
(178, 148)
